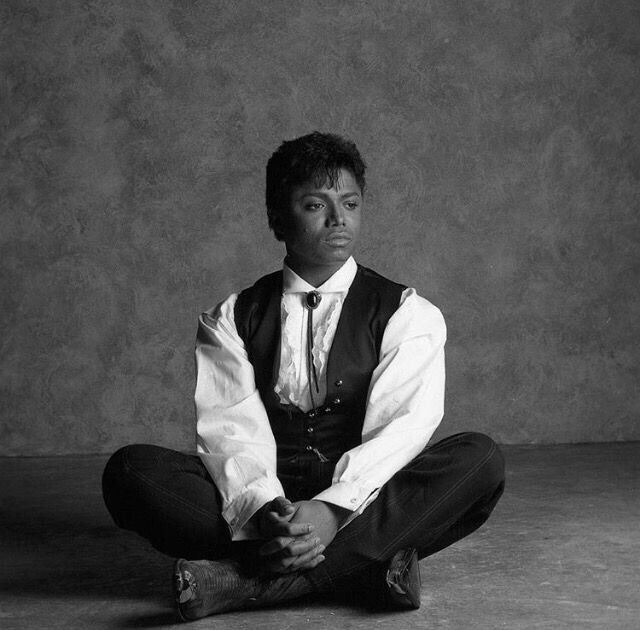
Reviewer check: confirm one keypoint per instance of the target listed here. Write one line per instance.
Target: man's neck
(315, 275)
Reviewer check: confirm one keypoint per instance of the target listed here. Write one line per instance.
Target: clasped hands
(296, 534)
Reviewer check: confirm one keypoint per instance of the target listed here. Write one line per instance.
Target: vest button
(310, 430)
(327, 409)
(336, 401)
(309, 447)
(338, 383)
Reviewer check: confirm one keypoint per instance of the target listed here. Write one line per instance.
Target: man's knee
(480, 453)
(475, 454)
(122, 462)
(119, 477)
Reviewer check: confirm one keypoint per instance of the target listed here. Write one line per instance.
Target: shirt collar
(339, 282)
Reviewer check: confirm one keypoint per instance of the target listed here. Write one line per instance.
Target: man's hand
(273, 519)
(284, 555)
(291, 545)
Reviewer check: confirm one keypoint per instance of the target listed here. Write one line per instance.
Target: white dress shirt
(404, 404)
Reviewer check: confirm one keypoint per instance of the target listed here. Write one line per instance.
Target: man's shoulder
(267, 282)
(374, 278)
(411, 305)
(257, 301)
(374, 294)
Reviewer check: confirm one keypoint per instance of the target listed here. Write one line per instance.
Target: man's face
(323, 224)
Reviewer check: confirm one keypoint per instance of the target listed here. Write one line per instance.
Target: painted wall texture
(503, 140)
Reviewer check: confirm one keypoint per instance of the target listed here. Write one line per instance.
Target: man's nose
(335, 214)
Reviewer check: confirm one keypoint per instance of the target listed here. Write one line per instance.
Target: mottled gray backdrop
(503, 144)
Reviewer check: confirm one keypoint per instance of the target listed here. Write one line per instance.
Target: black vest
(306, 440)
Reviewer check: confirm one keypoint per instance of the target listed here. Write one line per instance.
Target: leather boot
(205, 587)
(403, 580)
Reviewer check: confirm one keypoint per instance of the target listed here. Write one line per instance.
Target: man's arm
(237, 446)
(235, 441)
(405, 405)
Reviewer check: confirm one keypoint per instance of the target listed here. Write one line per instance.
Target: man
(318, 390)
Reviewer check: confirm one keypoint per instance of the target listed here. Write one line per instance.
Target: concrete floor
(562, 550)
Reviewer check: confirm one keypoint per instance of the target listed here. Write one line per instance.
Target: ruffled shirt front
(293, 377)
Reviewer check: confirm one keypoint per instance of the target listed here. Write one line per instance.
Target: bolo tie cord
(312, 300)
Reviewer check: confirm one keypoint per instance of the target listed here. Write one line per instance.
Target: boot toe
(403, 580)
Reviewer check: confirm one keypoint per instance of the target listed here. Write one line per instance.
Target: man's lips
(338, 239)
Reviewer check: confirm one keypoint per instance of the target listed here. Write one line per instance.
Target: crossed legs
(444, 494)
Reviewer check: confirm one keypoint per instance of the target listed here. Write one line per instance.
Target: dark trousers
(444, 494)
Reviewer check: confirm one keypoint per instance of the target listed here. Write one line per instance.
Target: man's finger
(301, 560)
(289, 565)
(275, 518)
(282, 506)
(275, 545)
(286, 528)
(301, 547)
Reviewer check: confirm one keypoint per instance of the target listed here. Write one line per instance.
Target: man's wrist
(257, 520)
(338, 513)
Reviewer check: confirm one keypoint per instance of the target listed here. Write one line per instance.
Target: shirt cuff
(350, 496)
(238, 513)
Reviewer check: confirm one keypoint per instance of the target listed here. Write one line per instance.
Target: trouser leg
(444, 494)
(168, 498)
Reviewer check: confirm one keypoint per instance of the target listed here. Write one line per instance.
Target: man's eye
(314, 206)
(352, 205)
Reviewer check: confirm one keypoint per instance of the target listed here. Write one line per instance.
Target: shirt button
(354, 500)
(338, 383)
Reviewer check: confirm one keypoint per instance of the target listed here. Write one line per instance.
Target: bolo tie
(311, 302)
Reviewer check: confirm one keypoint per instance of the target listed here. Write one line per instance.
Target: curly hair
(316, 157)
